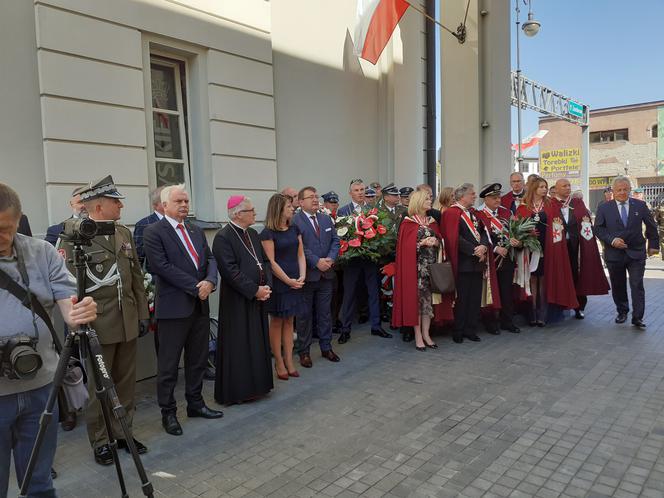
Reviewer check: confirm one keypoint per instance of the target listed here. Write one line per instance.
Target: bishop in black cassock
(244, 368)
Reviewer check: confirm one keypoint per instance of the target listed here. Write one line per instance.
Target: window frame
(175, 60)
(654, 130)
(610, 136)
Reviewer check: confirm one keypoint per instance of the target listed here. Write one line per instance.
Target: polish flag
(531, 140)
(376, 21)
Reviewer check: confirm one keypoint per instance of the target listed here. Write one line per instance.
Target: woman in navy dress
(282, 244)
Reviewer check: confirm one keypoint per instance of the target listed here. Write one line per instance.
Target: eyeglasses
(252, 210)
(356, 181)
(310, 197)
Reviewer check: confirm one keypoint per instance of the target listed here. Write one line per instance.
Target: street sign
(575, 109)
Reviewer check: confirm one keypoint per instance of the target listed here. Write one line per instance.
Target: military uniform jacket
(119, 308)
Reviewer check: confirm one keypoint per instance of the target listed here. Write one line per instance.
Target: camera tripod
(104, 390)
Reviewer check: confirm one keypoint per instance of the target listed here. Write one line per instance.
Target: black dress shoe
(344, 337)
(140, 447)
(204, 412)
(579, 315)
(381, 333)
(103, 455)
(407, 336)
(621, 318)
(171, 424)
(473, 337)
(330, 355)
(638, 323)
(457, 339)
(511, 328)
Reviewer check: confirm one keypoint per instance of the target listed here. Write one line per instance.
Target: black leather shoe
(638, 323)
(579, 315)
(381, 333)
(621, 318)
(330, 355)
(140, 447)
(407, 336)
(512, 328)
(103, 455)
(344, 337)
(473, 338)
(457, 339)
(171, 424)
(204, 412)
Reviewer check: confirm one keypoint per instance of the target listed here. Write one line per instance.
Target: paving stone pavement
(574, 409)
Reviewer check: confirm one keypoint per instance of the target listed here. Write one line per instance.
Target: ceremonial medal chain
(537, 210)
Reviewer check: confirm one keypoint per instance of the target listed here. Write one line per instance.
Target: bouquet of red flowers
(367, 236)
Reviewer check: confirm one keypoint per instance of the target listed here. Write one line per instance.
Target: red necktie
(188, 243)
(316, 227)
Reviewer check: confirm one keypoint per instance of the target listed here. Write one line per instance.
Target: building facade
(623, 141)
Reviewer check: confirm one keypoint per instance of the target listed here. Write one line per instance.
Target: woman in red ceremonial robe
(417, 247)
(551, 280)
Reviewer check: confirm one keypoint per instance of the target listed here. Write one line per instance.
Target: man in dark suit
(186, 274)
(53, 232)
(156, 215)
(355, 271)
(321, 247)
(619, 225)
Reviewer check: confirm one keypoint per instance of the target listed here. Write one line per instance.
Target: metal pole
(518, 87)
(585, 163)
(431, 66)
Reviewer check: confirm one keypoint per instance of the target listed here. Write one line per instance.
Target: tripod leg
(108, 397)
(47, 415)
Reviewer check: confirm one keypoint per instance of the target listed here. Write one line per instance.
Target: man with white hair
(186, 274)
(512, 199)
(619, 225)
(244, 364)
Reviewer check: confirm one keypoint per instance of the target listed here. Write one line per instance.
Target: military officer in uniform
(331, 203)
(115, 281)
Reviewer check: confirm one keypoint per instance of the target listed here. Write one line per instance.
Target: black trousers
(618, 277)
(468, 303)
(176, 334)
(506, 289)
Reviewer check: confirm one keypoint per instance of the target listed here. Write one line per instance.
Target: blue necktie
(623, 213)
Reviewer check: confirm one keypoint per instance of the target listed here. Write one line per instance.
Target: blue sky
(601, 52)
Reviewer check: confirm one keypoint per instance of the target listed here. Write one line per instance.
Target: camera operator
(34, 265)
(115, 280)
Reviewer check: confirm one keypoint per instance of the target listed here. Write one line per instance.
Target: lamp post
(530, 28)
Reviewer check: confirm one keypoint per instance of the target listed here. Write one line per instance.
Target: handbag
(441, 276)
(73, 384)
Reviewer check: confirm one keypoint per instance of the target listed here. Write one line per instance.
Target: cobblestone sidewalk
(573, 410)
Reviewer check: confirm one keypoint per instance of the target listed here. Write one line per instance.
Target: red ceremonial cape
(592, 280)
(493, 276)
(558, 279)
(405, 300)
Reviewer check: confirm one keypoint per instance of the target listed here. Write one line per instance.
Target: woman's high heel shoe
(433, 345)
(423, 348)
(294, 373)
(281, 376)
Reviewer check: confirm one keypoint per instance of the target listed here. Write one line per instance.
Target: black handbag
(441, 277)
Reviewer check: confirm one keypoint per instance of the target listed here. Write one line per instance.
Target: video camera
(84, 229)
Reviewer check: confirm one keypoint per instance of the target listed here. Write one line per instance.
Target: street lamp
(530, 28)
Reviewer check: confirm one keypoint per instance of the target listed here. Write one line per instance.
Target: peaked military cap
(369, 192)
(390, 189)
(405, 191)
(331, 196)
(491, 189)
(103, 187)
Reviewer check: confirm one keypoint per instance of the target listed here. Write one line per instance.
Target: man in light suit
(355, 271)
(321, 246)
(619, 225)
(186, 274)
(156, 215)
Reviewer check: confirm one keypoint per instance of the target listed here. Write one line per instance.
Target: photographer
(34, 265)
(115, 280)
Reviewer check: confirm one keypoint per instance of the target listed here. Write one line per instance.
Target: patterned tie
(316, 227)
(187, 242)
(623, 213)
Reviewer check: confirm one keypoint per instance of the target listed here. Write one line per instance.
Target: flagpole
(453, 33)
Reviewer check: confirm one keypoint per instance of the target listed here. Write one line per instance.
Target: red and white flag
(531, 140)
(376, 21)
